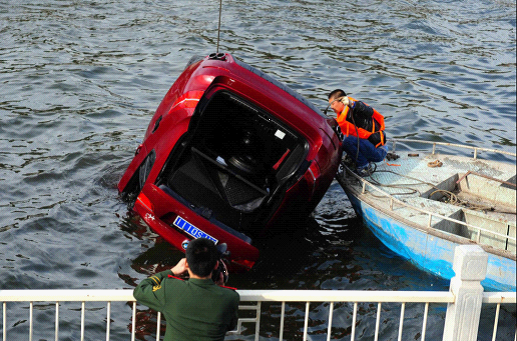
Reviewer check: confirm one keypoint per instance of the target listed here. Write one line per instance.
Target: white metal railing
(258, 296)
(350, 296)
(464, 300)
(283, 296)
(430, 214)
(498, 299)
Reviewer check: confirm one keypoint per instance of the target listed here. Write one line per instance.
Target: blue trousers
(367, 151)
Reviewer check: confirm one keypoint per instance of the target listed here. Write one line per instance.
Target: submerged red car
(229, 155)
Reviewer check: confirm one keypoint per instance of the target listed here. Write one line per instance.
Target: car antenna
(219, 26)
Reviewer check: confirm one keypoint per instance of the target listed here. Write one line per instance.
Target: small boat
(229, 154)
(422, 204)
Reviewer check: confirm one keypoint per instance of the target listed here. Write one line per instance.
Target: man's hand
(180, 268)
(221, 281)
(347, 101)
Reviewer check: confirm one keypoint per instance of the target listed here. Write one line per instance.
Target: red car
(228, 155)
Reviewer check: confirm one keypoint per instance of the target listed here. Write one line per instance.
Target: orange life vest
(348, 128)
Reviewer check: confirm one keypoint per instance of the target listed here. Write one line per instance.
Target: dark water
(79, 81)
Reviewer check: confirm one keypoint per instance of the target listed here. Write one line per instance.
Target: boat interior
(479, 193)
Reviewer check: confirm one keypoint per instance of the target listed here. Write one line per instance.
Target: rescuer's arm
(150, 291)
(359, 108)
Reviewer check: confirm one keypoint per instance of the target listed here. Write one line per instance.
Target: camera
(221, 268)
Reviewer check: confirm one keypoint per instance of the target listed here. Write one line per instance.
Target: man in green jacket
(195, 309)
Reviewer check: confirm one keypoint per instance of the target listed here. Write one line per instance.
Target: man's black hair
(202, 255)
(337, 94)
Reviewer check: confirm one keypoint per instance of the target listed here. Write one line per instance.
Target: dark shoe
(348, 161)
(362, 172)
(366, 171)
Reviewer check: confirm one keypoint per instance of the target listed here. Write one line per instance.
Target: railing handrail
(126, 295)
(464, 146)
(499, 297)
(346, 296)
(67, 295)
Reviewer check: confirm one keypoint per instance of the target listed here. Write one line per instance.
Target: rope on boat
(454, 200)
(402, 186)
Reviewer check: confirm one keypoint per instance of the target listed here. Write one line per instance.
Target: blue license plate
(184, 225)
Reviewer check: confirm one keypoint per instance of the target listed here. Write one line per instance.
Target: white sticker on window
(280, 134)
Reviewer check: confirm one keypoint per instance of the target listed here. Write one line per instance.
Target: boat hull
(428, 252)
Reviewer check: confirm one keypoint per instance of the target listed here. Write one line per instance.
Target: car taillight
(138, 149)
(144, 200)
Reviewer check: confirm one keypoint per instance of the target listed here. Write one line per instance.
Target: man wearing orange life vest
(363, 127)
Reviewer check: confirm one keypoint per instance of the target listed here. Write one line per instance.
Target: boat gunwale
(448, 144)
(358, 192)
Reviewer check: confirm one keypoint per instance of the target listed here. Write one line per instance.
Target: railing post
(462, 318)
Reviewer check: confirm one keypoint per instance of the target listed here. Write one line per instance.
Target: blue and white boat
(422, 204)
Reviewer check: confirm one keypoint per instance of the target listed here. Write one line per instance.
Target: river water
(80, 80)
